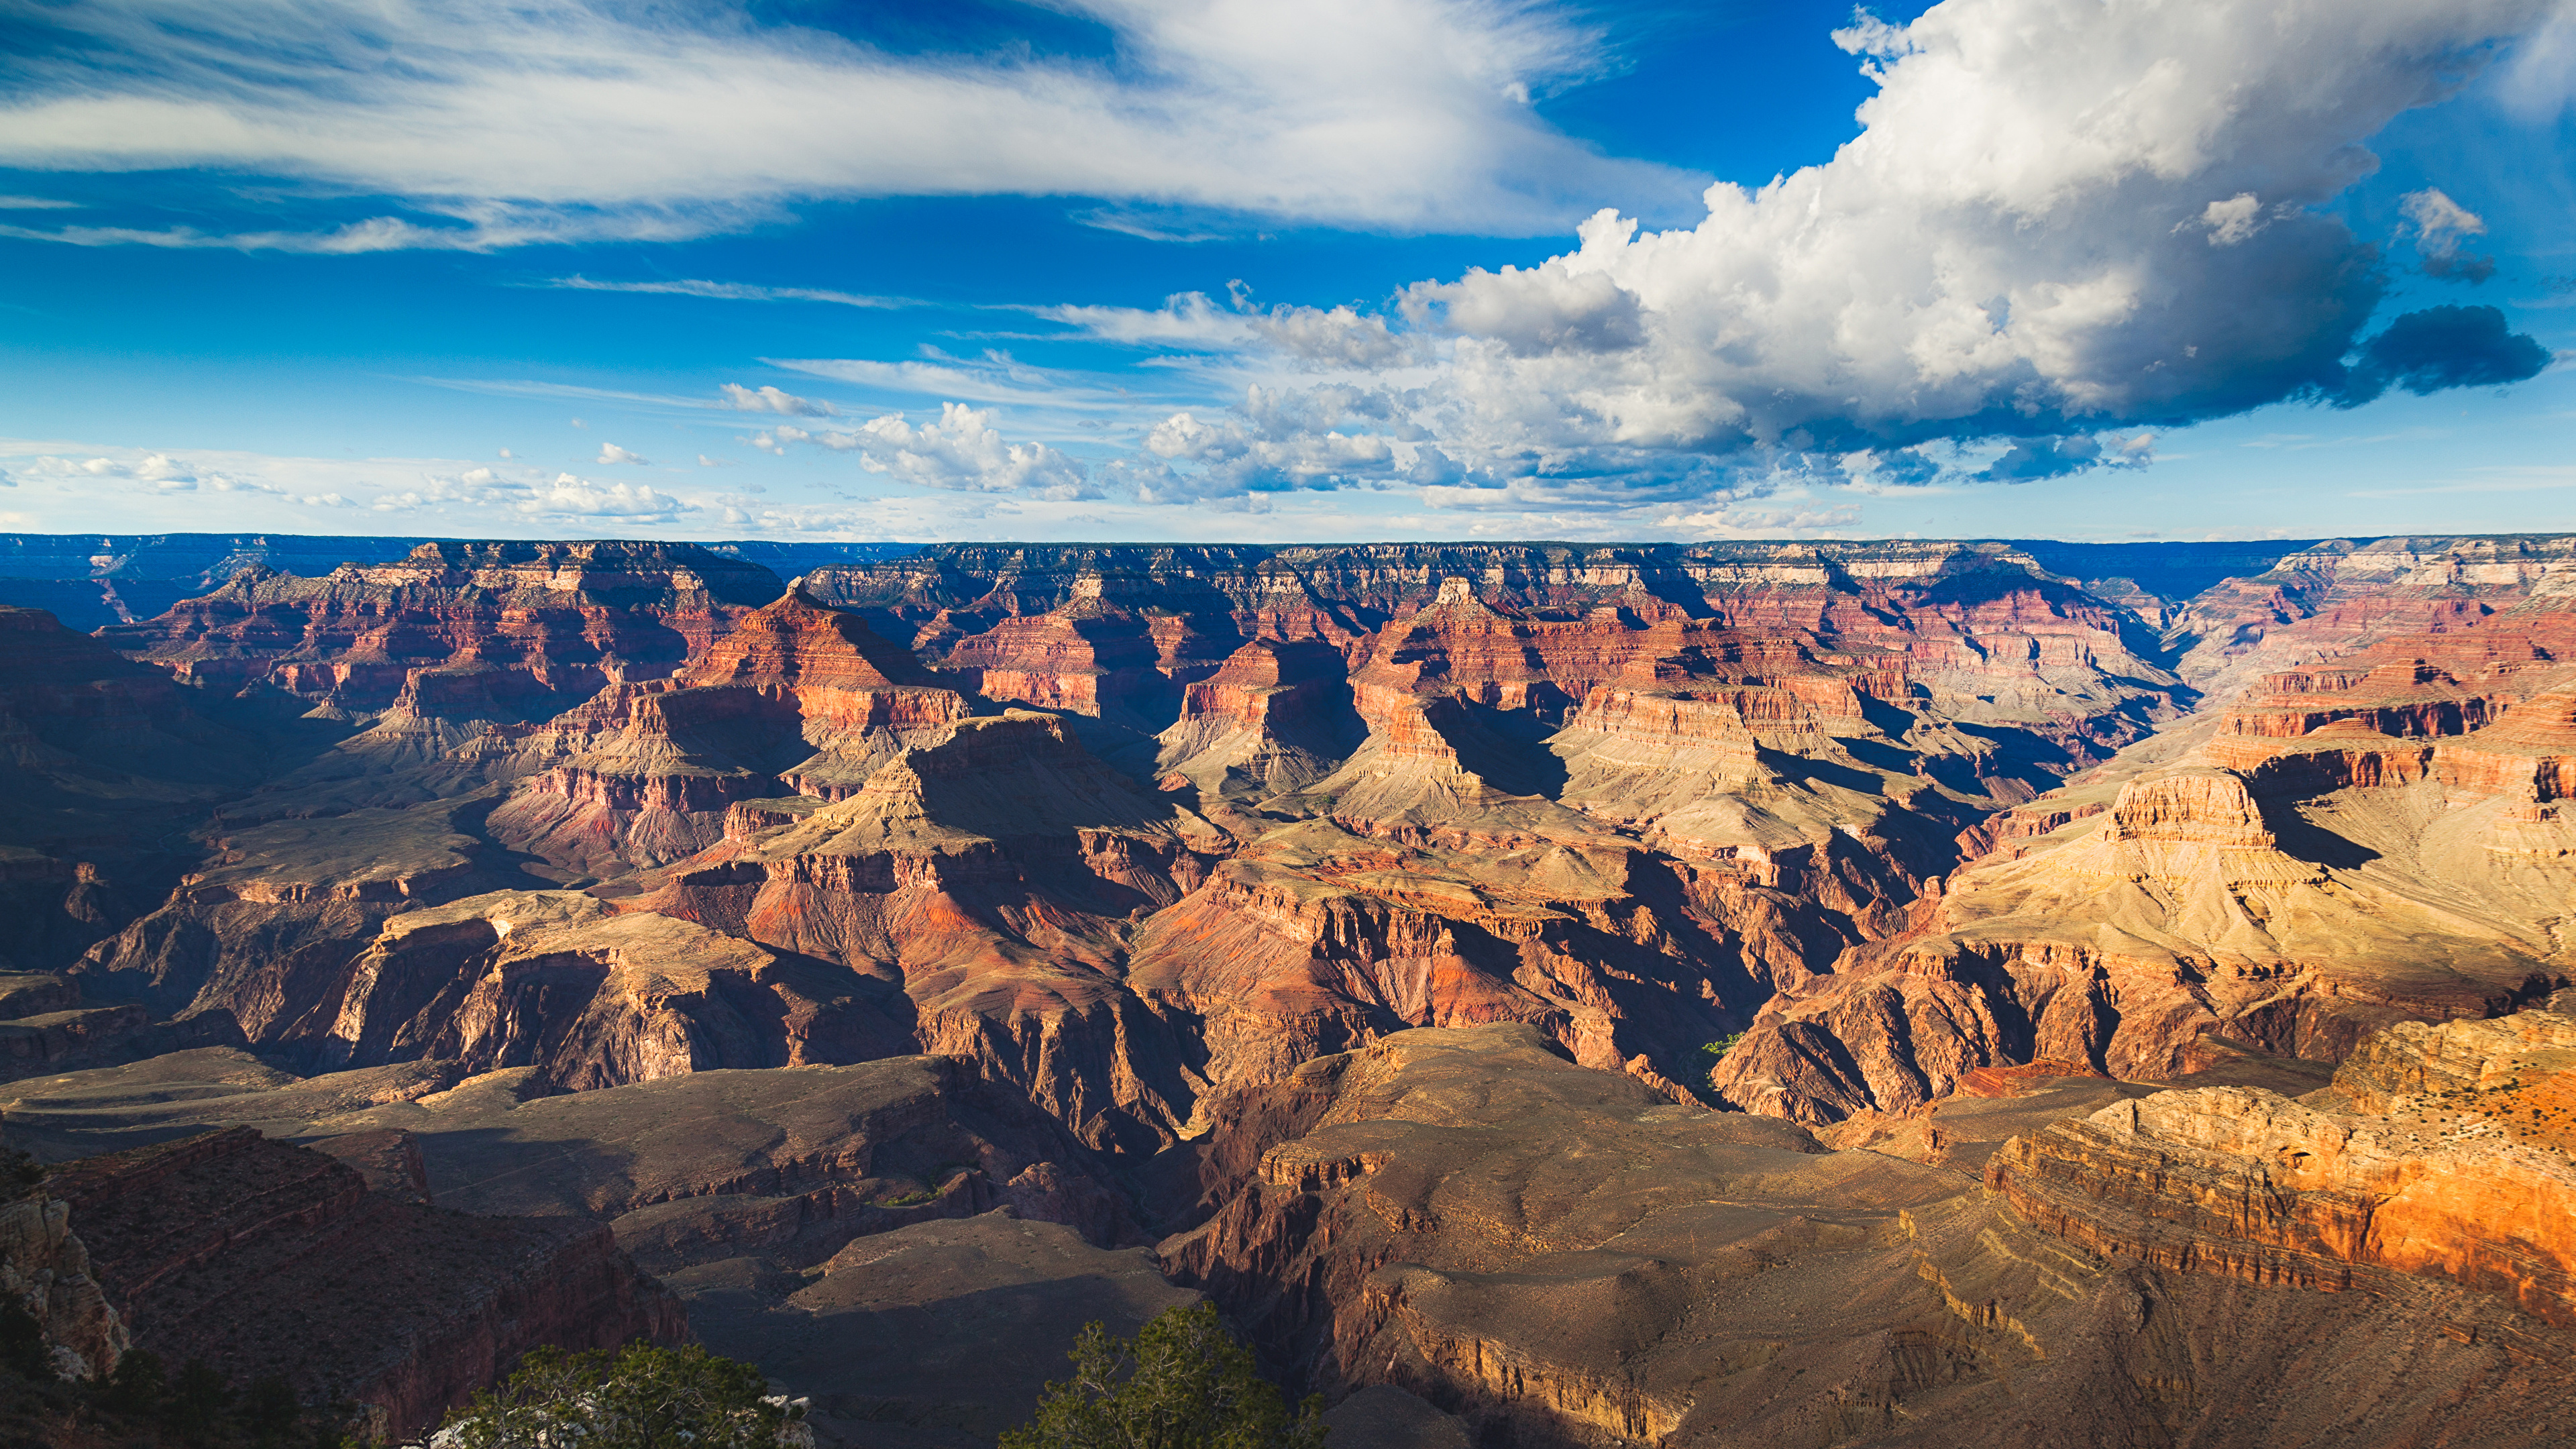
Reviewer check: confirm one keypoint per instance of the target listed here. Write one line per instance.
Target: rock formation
(2348, 844)
(45, 1267)
(251, 1255)
(1557, 1256)
(2439, 1151)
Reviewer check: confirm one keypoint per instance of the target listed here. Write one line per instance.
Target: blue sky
(2101, 269)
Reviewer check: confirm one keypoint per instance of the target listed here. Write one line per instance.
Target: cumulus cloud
(552, 121)
(1338, 337)
(571, 497)
(832, 438)
(2440, 225)
(1535, 312)
(964, 452)
(167, 474)
(611, 453)
(2059, 220)
(772, 400)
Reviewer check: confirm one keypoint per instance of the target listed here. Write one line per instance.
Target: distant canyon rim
(1546, 994)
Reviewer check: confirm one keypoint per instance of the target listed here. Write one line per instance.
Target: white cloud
(732, 292)
(832, 438)
(2440, 226)
(772, 400)
(2059, 219)
(996, 379)
(35, 203)
(1336, 338)
(570, 497)
(611, 453)
(559, 120)
(965, 453)
(1186, 318)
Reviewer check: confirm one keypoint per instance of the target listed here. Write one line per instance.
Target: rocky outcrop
(2341, 598)
(799, 698)
(557, 982)
(1553, 1255)
(264, 934)
(2364, 841)
(239, 1251)
(45, 1267)
(2448, 1159)
(992, 870)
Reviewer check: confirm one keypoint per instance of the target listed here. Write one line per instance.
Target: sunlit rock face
(1131, 825)
(2374, 837)
(2439, 1151)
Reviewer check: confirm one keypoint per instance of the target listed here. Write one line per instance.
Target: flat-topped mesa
(2407, 698)
(2441, 1152)
(549, 623)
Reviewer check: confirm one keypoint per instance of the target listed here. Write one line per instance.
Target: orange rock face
(2451, 1162)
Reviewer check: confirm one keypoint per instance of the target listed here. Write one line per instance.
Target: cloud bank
(560, 119)
(2066, 223)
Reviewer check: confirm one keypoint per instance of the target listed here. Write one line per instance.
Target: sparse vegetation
(1182, 1383)
(638, 1397)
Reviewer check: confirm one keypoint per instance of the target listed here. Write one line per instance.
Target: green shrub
(639, 1397)
(1184, 1383)
(135, 1387)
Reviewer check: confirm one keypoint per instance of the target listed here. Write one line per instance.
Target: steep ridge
(1559, 1259)
(2351, 843)
(991, 870)
(101, 761)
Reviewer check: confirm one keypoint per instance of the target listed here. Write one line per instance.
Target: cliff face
(45, 1267)
(231, 1248)
(100, 760)
(2348, 844)
(2440, 1152)
(557, 982)
(2341, 597)
(1290, 799)
(1284, 801)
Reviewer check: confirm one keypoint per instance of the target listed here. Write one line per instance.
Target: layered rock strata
(2439, 1151)
(2354, 843)
(463, 630)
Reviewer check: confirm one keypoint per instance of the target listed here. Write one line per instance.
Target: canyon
(1543, 993)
